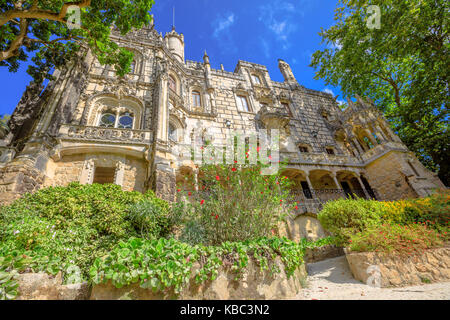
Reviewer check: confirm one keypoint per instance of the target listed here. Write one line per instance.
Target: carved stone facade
(89, 125)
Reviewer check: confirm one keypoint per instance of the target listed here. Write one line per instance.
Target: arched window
(256, 79)
(133, 66)
(172, 132)
(172, 83)
(196, 102)
(107, 120)
(125, 121)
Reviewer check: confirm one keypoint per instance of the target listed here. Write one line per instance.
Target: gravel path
(331, 279)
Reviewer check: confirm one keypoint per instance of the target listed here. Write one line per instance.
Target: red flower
(258, 148)
(217, 178)
(178, 190)
(202, 202)
(270, 157)
(217, 216)
(296, 207)
(235, 161)
(189, 193)
(233, 169)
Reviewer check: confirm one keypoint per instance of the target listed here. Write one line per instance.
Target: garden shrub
(433, 210)
(151, 217)
(167, 264)
(344, 217)
(61, 227)
(234, 203)
(394, 238)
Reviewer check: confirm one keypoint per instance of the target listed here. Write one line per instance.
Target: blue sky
(259, 31)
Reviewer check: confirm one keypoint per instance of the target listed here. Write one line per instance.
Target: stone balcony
(76, 139)
(89, 133)
(343, 160)
(381, 149)
(274, 117)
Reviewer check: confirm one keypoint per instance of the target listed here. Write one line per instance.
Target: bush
(433, 210)
(234, 203)
(162, 265)
(345, 217)
(63, 227)
(151, 217)
(392, 238)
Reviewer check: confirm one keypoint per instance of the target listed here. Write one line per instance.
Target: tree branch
(35, 13)
(17, 42)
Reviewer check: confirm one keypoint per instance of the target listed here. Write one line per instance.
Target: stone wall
(72, 168)
(17, 178)
(385, 175)
(302, 226)
(431, 266)
(41, 286)
(254, 284)
(322, 253)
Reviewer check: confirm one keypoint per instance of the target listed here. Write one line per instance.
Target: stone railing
(76, 132)
(176, 97)
(322, 158)
(382, 148)
(313, 200)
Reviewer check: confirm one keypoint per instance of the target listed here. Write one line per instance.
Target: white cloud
(281, 18)
(222, 24)
(326, 90)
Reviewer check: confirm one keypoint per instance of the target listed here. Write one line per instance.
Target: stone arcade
(89, 125)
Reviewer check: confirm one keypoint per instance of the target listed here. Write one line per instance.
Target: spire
(173, 18)
(205, 58)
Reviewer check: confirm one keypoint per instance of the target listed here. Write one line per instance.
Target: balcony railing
(89, 133)
(382, 148)
(313, 200)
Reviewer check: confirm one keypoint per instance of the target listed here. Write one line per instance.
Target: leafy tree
(402, 66)
(4, 120)
(41, 27)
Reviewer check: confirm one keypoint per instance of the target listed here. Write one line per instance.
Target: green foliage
(406, 226)
(151, 217)
(392, 238)
(344, 217)
(403, 67)
(167, 264)
(233, 203)
(45, 34)
(4, 120)
(60, 227)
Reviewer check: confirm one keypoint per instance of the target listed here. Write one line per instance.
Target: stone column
(310, 185)
(164, 181)
(358, 146)
(163, 110)
(371, 137)
(362, 186)
(338, 185)
(380, 133)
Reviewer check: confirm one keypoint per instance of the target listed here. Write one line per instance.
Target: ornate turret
(286, 70)
(175, 43)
